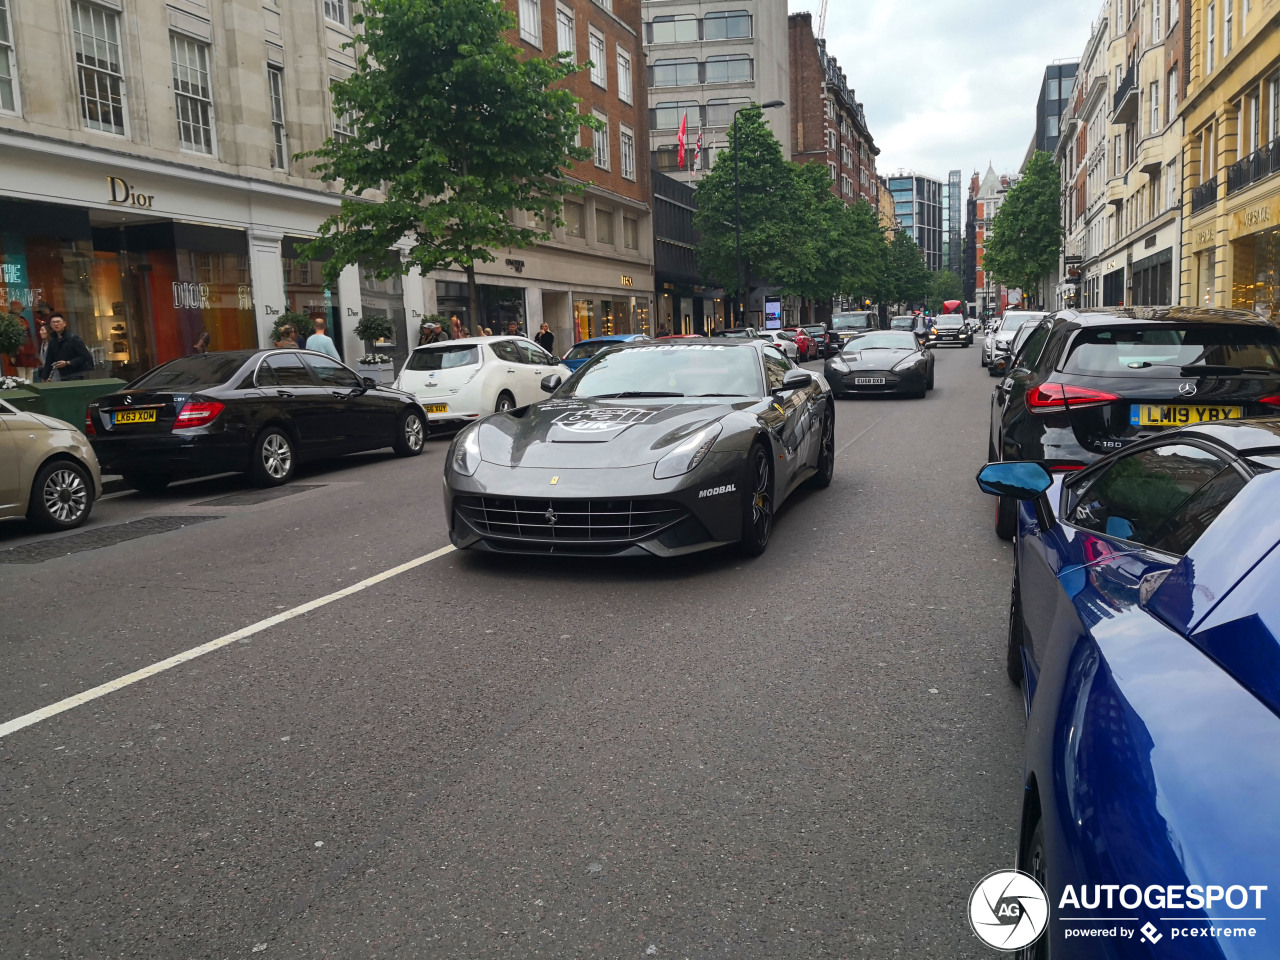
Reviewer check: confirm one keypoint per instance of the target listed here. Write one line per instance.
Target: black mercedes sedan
(1084, 385)
(257, 411)
(883, 362)
(659, 448)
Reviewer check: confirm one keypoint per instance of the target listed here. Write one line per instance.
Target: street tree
(1026, 235)
(823, 239)
(456, 130)
(770, 194)
(865, 252)
(943, 286)
(906, 275)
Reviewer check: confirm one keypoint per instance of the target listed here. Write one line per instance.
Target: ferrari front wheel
(757, 503)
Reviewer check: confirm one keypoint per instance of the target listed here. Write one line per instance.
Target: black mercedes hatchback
(257, 411)
(1084, 385)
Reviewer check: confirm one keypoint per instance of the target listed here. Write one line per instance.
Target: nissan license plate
(437, 408)
(1178, 414)
(868, 381)
(134, 416)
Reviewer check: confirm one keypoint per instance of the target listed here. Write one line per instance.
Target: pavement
(811, 754)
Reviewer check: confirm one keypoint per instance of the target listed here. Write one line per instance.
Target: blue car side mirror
(1019, 480)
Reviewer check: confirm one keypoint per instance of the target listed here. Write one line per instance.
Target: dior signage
(124, 195)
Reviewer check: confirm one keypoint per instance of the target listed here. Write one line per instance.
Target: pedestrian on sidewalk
(287, 340)
(321, 342)
(202, 343)
(546, 339)
(42, 351)
(67, 358)
(455, 328)
(431, 334)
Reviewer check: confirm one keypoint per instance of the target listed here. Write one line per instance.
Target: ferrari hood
(876, 359)
(584, 433)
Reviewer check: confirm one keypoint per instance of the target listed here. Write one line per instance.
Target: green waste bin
(70, 400)
(26, 399)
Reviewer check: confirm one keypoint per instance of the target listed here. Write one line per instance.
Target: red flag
(683, 136)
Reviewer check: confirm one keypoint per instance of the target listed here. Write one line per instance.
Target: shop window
(279, 144)
(306, 292)
(8, 63)
(383, 297)
(99, 67)
(1256, 282)
(193, 97)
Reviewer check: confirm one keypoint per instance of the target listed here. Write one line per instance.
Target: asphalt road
(813, 754)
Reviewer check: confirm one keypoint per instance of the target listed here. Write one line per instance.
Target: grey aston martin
(887, 361)
(652, 448)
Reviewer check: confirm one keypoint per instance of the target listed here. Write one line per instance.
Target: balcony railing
(1257, 166)
(1205, 195)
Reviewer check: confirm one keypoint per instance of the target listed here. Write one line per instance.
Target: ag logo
(1008, 910)
(1187, 389)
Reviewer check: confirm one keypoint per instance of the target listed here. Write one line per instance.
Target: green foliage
(12, 334)
(906, 277)
(374, 326)
(943, 286)
(300, 322)
(456, 130)
(865, 252)
(1026, 235)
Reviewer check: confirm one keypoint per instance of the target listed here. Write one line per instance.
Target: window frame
(600, 146)
(675, 63)
(599, 66)
(566, 24)
(9, 47)
(728, 16)
(279, 130)
(726, 59)
(626, 135)
(110, 18)
(626, 69)
(672, 20)
(340, 7)
(529, 15)
(185, 91)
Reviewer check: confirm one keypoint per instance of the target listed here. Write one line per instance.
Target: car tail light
(1096, 550)
(1054, 397)
(197, 413)
(1273, 401)
(89, 429)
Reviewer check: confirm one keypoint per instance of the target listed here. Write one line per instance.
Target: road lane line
(80, 699)
(858, 437)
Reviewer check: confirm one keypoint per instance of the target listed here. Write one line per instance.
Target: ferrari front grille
(568, 521)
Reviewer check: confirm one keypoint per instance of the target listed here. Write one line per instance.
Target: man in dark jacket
(67, 353)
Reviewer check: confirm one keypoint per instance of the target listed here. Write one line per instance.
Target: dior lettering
(125, 195)
(191, 296)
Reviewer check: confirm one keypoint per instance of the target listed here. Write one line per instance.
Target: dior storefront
(145, 257)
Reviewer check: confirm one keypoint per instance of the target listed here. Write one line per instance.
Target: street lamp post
(737, 198)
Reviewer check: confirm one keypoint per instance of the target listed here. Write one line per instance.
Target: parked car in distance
(48, 470)
(458, 381)
(584, 350)
(1001, 334)
(738, 333)
(783, 342)
(257, 411)
(1143, 625)
(1087, 384)
(806, 343)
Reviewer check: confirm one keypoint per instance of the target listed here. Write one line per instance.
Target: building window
(604, 225)
(627, 147)
(343, 127)
(279, 146)
(630, 233)
(1119, 167)
(600, 141)
(100, 70)
(674, 73)
(531, 22)
(730, 69)
(1211, 37)
(599, 69)
(681, 29)
(834, 171)
(1228, 24)
(566, 41)
(1051, 90)
(336, 10)
(666, 159)
(8, 63)
(572, 218)
(625, 92)
(831, 140)
(1154, 97)
(1051, 126)
(192, 95)
(1155, 21)
(1171, 83)
(1171, 185)
(727, 25)
(669, 115)
(1273, 87)
(1174, 12)
(720, 112)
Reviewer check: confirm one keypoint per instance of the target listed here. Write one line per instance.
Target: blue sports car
(584, 350)
(1143, 628)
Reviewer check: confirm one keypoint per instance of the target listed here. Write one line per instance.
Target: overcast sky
(949, 85)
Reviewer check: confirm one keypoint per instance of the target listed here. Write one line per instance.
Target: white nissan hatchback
(463, 380)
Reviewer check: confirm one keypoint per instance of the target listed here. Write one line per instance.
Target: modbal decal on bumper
(717, 491)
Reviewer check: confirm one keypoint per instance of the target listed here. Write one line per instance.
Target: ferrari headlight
(466, 453)
(688, 453)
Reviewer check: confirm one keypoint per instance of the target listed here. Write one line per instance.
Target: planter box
(381, 372)
(26, 399)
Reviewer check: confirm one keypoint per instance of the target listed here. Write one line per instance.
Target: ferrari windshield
(670, 370)
(884, 340)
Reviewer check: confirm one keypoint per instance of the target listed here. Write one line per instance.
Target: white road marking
(858, 437)
(80, 699)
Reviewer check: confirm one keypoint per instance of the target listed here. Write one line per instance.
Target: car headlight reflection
(466, 453)
(686, 456)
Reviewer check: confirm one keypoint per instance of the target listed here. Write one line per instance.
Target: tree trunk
(473, 302)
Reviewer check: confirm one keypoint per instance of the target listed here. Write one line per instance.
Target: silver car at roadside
(48, 471)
